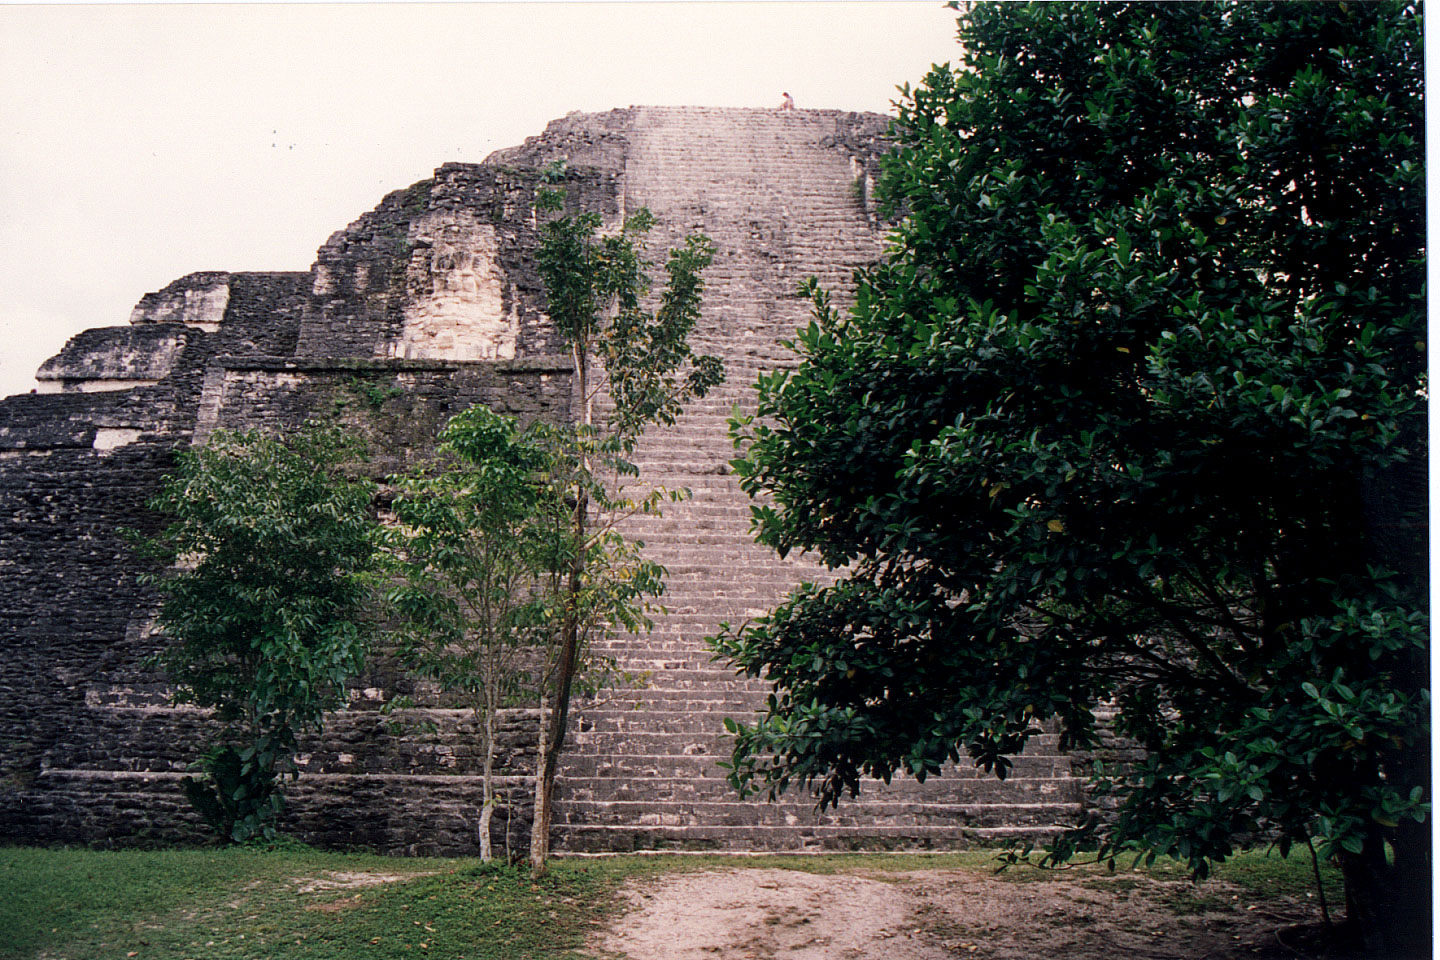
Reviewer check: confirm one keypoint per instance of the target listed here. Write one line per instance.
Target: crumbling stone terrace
(425, 305)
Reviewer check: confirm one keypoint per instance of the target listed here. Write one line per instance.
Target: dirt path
(762, 914)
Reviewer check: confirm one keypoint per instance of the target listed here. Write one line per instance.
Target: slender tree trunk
(487, 813)
(548, 763)
(581, 357)
(487, 807)
(509, 825)
(540, 829)
(540, 824)
(552, 728)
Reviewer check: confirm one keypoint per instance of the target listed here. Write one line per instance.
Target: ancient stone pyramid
(424, 305)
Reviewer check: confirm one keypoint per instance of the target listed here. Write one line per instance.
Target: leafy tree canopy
(599, 297)
(270, 550)
(468, 546)
(476, 548)
(597, 285)
(1133, 414)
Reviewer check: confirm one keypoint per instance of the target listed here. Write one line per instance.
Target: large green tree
(268, 560)
(1133, 414)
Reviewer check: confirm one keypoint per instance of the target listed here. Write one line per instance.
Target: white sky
(142, 143)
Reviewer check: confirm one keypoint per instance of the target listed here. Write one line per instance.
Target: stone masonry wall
(396, 406)
(421, 307)
(76, 468)
(443, 269)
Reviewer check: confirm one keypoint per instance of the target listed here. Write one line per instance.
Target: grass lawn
(295, 902)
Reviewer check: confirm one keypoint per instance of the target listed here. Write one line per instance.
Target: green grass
(1264, 873)
(241, 903)
(246, 903)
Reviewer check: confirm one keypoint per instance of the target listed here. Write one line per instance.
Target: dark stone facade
(425, 305)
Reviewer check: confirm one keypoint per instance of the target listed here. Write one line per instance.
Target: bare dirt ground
(766, 914)
(342, 880)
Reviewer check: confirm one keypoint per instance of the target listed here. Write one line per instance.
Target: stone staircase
(641, 768)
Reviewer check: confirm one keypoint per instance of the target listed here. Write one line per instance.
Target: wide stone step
(577, 767)
(606, 838)
(975, 789)
(697, 743)
(873, 814)
(717, 678)
(621, 717)
(656, 666)
(687, 699)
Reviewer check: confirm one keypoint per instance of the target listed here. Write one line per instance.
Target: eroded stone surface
(112, 358)
(422, 306)
(457, 298)
(198, 300)
(107, 439)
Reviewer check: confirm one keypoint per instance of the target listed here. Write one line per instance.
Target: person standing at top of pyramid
(788, 103)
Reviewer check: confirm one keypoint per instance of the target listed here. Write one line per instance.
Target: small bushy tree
(1133, 415)
(264, 604)
(475, 550)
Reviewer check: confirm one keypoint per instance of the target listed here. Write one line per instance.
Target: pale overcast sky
(139, 143)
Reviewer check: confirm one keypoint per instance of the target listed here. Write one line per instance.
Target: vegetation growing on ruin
(1134, 414)
(510, 548)
(268, 558)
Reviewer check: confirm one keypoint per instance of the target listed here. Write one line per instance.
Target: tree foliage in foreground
(270, 551)
(1133, 414)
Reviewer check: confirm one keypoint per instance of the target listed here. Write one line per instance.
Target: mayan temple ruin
(425, 305)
